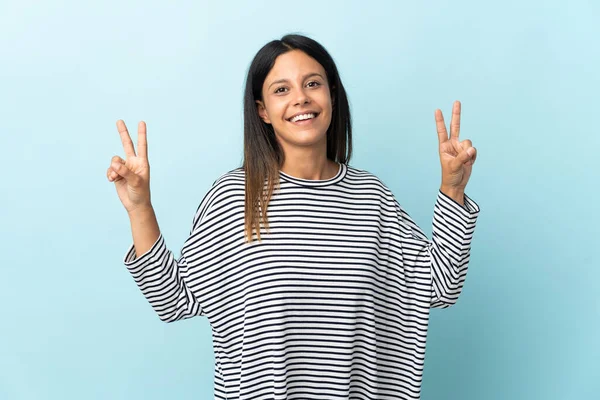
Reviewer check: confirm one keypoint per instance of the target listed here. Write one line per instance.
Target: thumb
(464, 156)
(122, 170)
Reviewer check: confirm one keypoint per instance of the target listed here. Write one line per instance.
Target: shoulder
(362, 178)
(229, 185)
(232, 178)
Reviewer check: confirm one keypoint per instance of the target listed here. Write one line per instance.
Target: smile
(303, 119)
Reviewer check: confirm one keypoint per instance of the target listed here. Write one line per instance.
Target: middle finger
(125, 139)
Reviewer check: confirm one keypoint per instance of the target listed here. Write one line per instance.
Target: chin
(309, 136)
(300, 141)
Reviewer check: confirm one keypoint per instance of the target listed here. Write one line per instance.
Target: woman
(316, 282)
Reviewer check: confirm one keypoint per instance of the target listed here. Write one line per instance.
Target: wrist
(141, 210)
(456, 194)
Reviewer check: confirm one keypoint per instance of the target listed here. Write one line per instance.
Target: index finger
(455, 121)
(125, 139)
(142, 142)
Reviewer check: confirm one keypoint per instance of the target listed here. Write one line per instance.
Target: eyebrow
(303, 78)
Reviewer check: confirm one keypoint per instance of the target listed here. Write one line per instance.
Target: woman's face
(297, 85)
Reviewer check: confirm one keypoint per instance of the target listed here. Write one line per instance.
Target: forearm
(453, 226)
(144, 229)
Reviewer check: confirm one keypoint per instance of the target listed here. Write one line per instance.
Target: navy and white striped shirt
(332, 304)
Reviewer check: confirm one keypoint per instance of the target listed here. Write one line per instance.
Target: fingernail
(115, 165)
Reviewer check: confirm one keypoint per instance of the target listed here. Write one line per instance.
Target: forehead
(292, 65)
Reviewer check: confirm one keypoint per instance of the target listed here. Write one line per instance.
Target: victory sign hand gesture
(132, 175)
(456, 157)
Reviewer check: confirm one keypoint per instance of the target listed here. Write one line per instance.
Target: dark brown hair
(263, 157)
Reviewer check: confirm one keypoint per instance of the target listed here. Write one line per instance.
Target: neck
(306, 165)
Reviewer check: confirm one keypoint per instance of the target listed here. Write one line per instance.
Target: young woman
(316, 282)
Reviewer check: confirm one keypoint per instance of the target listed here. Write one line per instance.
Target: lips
(301, 113)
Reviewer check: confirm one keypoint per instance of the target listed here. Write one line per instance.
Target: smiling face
(297, 101)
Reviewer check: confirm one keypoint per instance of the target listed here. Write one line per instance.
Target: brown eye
(315, 82)
(278, 89)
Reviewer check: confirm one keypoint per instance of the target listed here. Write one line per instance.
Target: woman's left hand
(457, 157)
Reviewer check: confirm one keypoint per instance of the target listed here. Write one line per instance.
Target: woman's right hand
(132, 175)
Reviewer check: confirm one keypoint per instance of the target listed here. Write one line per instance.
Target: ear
(262, 112)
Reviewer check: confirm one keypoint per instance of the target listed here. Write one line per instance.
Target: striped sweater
(333, 303)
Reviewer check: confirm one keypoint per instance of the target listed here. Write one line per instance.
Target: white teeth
(302, 117)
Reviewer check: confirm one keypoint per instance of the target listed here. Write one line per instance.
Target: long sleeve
(161, 277)
(158, 275)
(447, 253)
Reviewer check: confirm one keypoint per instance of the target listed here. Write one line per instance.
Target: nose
(302, 97)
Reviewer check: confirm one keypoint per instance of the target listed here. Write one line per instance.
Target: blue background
(75, 326)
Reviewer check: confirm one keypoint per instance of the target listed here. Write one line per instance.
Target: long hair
(263, 156)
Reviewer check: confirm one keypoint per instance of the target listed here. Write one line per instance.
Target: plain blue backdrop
(75, 326)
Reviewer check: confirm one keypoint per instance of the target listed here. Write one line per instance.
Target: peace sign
(456, 157)
(132, 175)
